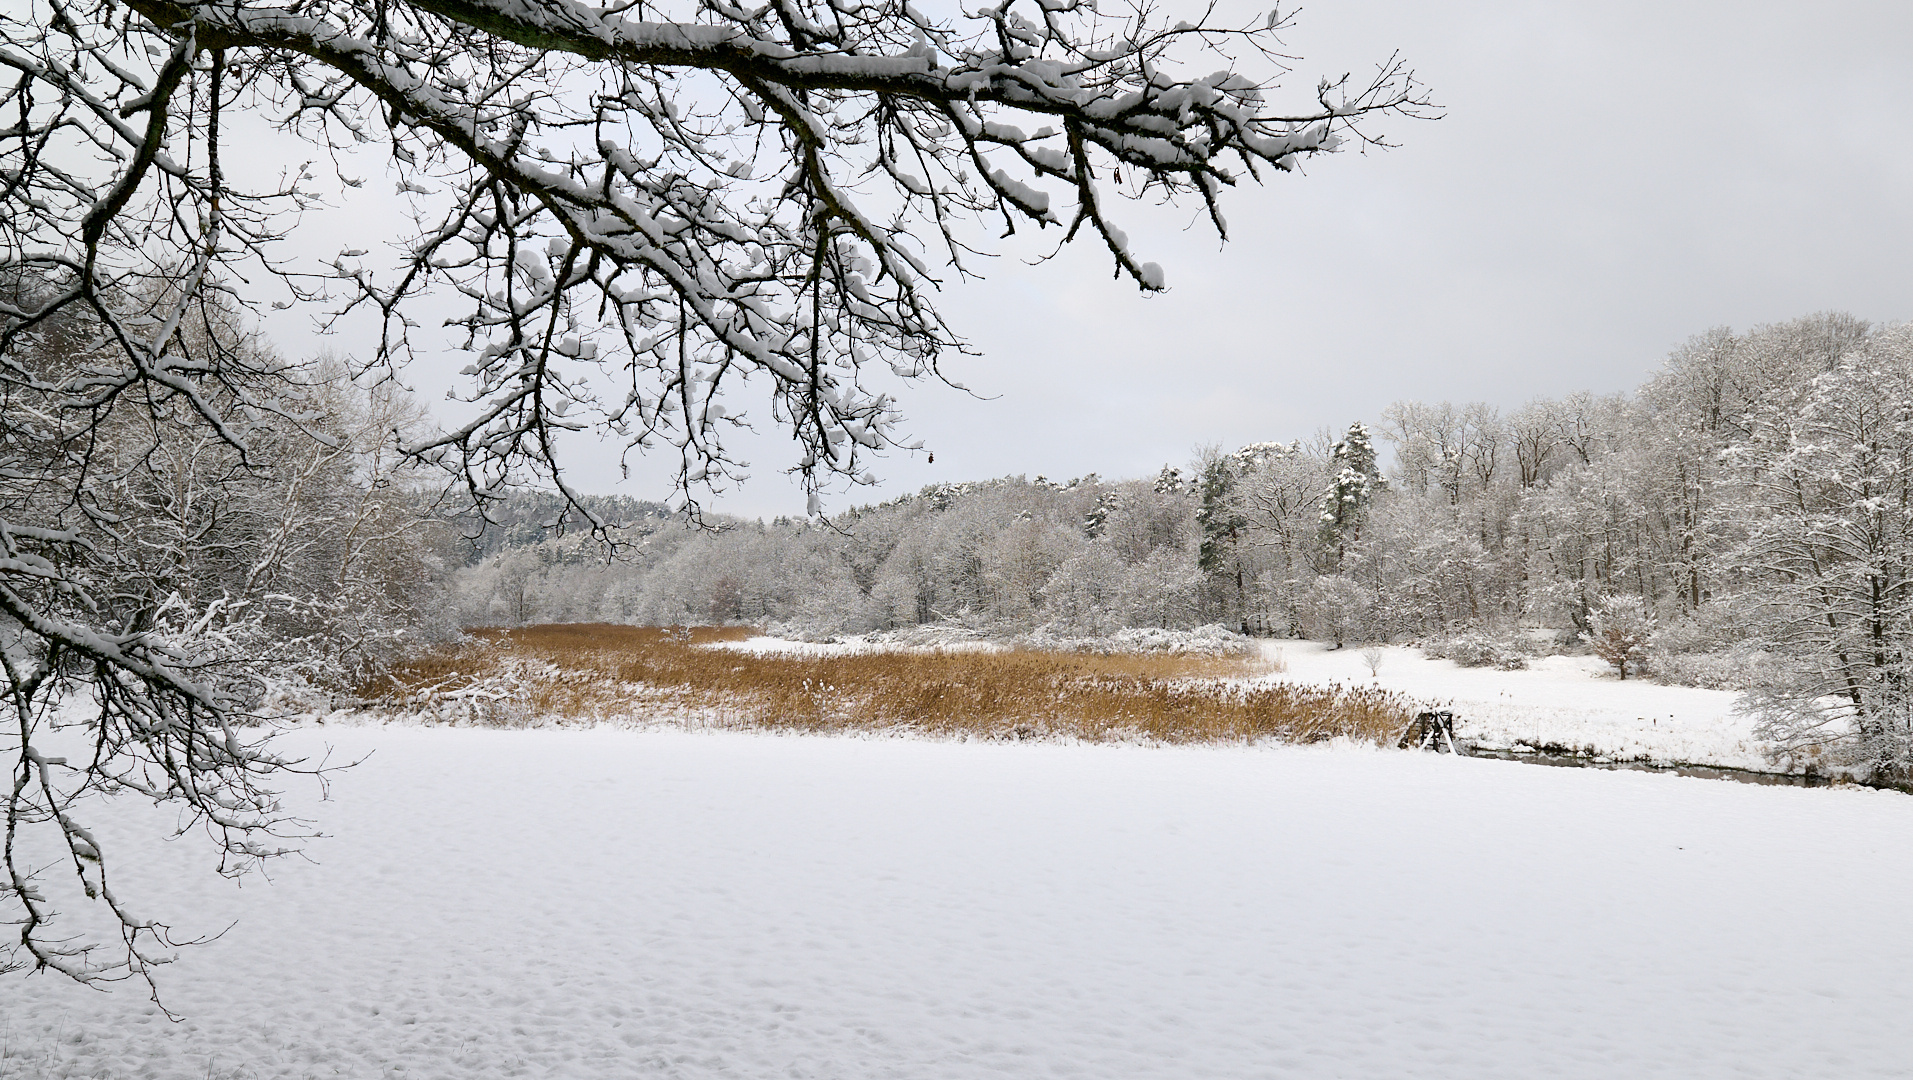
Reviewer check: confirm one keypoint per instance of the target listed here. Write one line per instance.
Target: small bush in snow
(1706, 651)
(1213, 639)
(1477, 648)
(1710, 671)
(1618, 632)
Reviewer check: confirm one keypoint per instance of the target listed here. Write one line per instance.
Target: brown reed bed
(587, 672)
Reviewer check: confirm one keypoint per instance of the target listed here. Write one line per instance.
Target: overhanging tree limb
(639, 209)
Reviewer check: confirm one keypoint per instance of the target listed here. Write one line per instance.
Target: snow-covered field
(1572, 702)
(617, 903)
(1575, 702)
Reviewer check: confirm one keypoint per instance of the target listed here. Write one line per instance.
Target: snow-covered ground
(1575, 702)
(628, 904)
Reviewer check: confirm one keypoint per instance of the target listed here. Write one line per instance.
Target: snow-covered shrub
(920, 636)
(1727, 670)
(1547, 640)
(1619, 629)
(1213, 639)
(1340, 609)
(1209, 639)
(1478, 648)
(1701, 652)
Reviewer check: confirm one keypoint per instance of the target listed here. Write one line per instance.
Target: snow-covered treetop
(1357, 451)
(1259, 453)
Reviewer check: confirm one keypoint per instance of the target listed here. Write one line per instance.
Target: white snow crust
(616, 903)
(1576, 702)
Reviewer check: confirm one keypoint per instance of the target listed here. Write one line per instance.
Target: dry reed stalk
(591, 671)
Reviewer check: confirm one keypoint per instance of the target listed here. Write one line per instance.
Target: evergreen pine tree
(1357, 481)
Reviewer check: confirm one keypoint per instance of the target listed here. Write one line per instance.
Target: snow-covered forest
(1751, 499)
(290, 546)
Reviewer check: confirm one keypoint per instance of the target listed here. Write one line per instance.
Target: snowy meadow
(670, 903)
(677, 893)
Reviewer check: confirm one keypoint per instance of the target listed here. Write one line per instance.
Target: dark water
(1705, 772)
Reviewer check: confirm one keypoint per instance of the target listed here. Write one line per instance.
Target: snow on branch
(640, 210)
(671, 200)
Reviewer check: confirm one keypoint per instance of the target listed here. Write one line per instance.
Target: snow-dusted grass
(597, 672)
(618, 904)
(1573, 702)
(944, 683)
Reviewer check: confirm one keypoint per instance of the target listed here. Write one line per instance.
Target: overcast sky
(1609, 179)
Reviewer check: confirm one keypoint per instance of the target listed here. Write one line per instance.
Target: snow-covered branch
(666, 202)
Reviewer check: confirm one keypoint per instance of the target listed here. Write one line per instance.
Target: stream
(1705, 772)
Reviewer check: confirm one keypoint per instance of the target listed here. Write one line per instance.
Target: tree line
(256, 541)
(1743, 520)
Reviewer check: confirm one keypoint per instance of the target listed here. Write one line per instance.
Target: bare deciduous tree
(641, 206)
(1828, 561)
(688, 196)
(164, 546)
